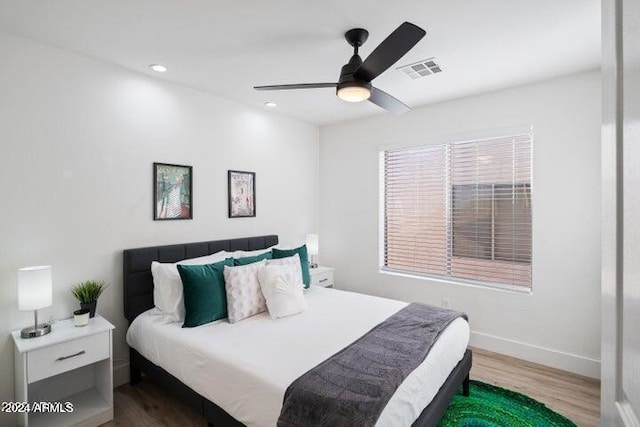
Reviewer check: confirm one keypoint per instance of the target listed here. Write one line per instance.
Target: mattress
(246, 367)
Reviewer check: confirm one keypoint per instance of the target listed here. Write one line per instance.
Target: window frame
(476, 136)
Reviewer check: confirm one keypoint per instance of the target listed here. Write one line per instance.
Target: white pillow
(292, 261)
(167, 285)
(244, 297)
(245, 254)
(283, 290)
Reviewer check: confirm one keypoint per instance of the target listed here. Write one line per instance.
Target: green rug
(490, 406)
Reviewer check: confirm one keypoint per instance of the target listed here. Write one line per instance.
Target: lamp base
(36, 331)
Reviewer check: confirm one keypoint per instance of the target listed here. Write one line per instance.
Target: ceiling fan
(354, 84)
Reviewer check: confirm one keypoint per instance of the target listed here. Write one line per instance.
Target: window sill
(451, 281)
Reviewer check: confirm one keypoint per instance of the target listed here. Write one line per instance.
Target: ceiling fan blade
(296, 86)
(394, 47)
(388, 102)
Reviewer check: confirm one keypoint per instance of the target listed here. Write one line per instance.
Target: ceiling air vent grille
(422, 68)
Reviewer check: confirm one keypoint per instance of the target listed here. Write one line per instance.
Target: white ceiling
(227, 47)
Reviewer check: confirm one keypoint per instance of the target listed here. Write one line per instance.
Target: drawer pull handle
(323, 280)
(81, 352)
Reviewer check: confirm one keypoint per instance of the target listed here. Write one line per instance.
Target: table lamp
(312, 249)
(35, 292)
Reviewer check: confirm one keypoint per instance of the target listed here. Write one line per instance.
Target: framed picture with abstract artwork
(242, 194)
(172, 191)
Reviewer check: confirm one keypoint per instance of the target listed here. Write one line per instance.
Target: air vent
(422, 68)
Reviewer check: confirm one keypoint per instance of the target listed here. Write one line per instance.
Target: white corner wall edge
(545, 356)
(120, 373)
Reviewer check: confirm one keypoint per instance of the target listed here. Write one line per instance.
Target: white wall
(559, 323)
(77, 141)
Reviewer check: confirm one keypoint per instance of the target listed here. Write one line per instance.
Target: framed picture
(242, 194)
(172, 192)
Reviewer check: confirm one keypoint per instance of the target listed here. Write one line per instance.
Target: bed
(231, 374)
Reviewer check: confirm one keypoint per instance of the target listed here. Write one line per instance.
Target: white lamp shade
(312, 244)
(34, 287)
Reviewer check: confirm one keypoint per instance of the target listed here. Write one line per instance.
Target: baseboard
(545, 356)
(120, 373)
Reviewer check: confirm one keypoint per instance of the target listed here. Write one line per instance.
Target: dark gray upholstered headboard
(138, 282)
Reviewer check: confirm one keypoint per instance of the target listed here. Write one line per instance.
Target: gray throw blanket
(352, 387)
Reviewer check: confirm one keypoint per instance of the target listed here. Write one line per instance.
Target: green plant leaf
(88, 291)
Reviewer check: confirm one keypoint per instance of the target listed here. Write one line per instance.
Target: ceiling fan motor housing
(346, 74)
(349, 87)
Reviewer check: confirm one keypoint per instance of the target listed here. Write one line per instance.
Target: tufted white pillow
(283, 290)
(167, 285)
(245, 254)
(244, 297)
(291, 261)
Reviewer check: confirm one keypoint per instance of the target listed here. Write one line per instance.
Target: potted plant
(87, 293)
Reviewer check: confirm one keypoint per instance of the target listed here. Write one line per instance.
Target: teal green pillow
(304, 260)
(205, 299)
(252, 259)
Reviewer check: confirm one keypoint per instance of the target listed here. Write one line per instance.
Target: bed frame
(138, 298)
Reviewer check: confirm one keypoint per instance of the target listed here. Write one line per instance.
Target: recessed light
(270, 104)
(159, 68)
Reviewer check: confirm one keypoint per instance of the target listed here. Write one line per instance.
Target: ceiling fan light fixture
(354, 93)
(354, 83)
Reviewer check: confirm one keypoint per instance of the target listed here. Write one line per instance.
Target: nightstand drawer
(322, 279)
(53, 360)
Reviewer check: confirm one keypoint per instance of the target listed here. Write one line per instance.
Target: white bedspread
(246, 367)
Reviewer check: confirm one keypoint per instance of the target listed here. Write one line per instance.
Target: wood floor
(573, 396)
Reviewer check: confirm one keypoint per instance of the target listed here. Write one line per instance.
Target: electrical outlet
(445, 302)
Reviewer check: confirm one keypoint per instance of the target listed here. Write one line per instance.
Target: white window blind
(460, 210)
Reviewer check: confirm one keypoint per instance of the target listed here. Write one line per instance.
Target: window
(460, 210)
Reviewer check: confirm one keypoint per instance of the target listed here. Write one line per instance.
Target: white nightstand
(322, 276)
(71, 364)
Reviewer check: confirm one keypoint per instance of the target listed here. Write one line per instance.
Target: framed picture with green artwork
(242, 194)
(172, 192)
